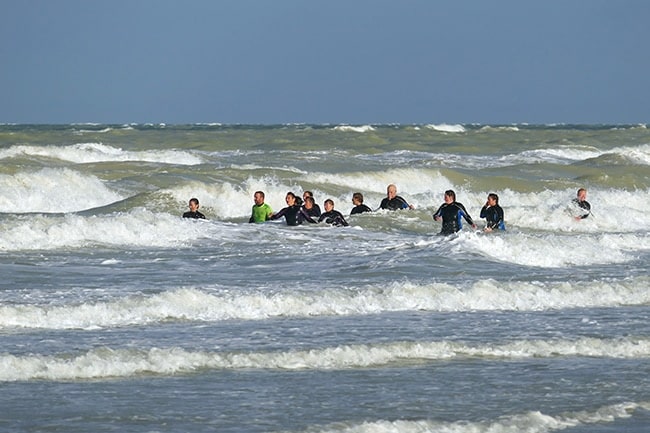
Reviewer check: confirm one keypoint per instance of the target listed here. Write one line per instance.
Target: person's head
(258, 197)
(290, 198)
(194, 204)
(328, 205)
(357, 198)
(309, 202)
(493, 199)
(391, 191)
(306, 194)
(582, 194)
(450, 196)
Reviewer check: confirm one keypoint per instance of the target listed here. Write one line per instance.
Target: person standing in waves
(493, 214)
(393, 201)
(293, 214)
(450, 213)
(581, 203)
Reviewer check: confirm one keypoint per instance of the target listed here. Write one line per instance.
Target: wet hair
(451, 193)
(194, 200)
(309, 199)
(494, 197)
(260, 193)
(357, 196)
(581, 190)
(330, 201)
(308, 193)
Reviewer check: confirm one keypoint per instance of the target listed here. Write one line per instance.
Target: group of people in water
(451, 213)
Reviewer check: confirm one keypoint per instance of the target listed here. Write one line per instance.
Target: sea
(119, 315)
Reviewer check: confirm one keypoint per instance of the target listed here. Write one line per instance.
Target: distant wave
(192, 304)
(102, 363)
(83, 153)
(348, 128)
(443, 127)
(529, 422)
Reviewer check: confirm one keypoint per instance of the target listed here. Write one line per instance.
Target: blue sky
(302, 61)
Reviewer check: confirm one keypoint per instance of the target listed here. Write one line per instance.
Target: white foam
(137, 228)
(104, 363)
(529, 422)
(348, 128)
(192, 304)
(97, 152)
(53, 190)
(444, 127)
(635, 154)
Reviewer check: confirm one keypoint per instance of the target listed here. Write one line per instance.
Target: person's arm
(500, 221)
(279, 214)
(305, 216)
(466, 215)
(438, 215)
(340, 219)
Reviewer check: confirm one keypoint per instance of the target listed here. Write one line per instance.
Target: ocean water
(116, 314)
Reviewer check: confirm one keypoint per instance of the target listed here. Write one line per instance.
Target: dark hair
(260, 193)
(194, 200)
(494, 197)
(309, 193)
(309, 199)
(451, 193)
(357, 196)
(330, 201)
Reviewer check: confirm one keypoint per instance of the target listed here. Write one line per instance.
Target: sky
(302, 61)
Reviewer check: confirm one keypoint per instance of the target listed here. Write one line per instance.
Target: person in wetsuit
(293, 213)
(581, 203)
(315, 209)
(331, 216)
(261, 211)
(493, 214)
(194, 210)
(310, 207)
(359, 207)
(392, 201)
(451, 212)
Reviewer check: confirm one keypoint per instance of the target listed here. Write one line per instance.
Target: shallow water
(118, 315)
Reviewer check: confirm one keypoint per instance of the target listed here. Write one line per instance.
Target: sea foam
(211, 306)
(102, 363)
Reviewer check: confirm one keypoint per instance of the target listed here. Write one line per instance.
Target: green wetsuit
(260, 213)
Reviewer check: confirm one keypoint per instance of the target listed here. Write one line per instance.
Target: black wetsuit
(360, 209)
(294, 215)
(493, 217)
(333, 217)
(195, 215)
(584, 204)
(313, 212)
(395, 203)
(451, 215)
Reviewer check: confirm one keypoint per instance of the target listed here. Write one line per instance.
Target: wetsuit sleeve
(384, 204)
(403, 203)
(438, 213)
(483, 212)
(500, 223)
(306, 217)
(465, 214)
(340, 219)
(280, 214)
(586, 206)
